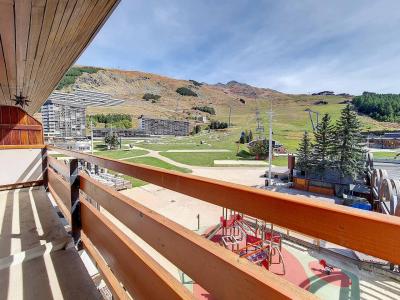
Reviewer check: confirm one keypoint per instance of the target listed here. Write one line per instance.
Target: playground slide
(245, 228)
(213, 232)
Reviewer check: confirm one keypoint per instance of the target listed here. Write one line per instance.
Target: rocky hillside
(242, 99)
(133, 85)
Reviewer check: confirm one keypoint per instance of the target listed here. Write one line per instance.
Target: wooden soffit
(40, 40)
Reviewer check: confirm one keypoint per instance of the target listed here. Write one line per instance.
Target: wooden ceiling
(40, 40)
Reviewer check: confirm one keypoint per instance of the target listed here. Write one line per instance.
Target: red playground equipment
(249, 239)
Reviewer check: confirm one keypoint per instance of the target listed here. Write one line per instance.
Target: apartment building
(64, 114)
(63, 120)
(156, 126)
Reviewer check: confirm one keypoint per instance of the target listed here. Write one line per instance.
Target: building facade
(389, 140)
(64, 114)
(121, 132)
(155, 126)
(62, 120)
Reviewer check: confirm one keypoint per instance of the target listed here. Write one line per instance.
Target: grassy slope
(117, 154)
(390, 155)
(155, 162)
(289, 122)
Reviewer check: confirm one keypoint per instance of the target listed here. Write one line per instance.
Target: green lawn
(389, 155)
(281, 161)
(117, 154)
(135, 182)
(151, 161)
(155, 162)
(204, 159)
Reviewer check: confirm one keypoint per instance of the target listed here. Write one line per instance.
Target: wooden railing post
(75, 206)
(45, 167)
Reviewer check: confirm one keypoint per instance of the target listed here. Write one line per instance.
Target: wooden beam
(60, 203)
(112, 282)
(7, 147)
(21, 127)
(20, 185)
(140, 274)
(59, 166)
(193, 254)
(61, 188)
(352, 228)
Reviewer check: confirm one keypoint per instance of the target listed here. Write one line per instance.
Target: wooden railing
(216, 269)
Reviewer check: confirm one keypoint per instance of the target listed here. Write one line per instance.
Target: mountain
(240, 101)
(245, 90)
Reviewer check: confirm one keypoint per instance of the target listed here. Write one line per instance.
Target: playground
(300, 262)
(324, 276)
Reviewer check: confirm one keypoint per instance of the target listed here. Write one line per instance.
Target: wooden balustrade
(195, 255)
(63, 184)
(140, 274)
(368, 232)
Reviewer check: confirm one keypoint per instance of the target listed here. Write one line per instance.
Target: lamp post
(270, 145)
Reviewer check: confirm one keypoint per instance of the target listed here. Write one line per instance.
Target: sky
(293, 46)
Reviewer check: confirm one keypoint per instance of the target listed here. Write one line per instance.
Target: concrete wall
(20, 165)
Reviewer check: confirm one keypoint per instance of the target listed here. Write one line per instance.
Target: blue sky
(294, 46)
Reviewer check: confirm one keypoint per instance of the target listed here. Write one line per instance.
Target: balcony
(121, 235)
(62, 233)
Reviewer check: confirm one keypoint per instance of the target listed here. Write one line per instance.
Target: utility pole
(270, 146)
(91, 133)
(230, 111)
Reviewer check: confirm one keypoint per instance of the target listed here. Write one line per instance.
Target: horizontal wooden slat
(59, 166)
(352, 228)
(112, 282)
(19, 185)
(21, 127)
(60, 187)
(140, 274)
(232, 278)
(6, 147)
(60, 203)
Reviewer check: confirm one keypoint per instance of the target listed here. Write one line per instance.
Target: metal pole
(230, 111)
(270, 146)
(91, 133)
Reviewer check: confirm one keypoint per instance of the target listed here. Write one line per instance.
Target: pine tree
(323, 148)
(304, 153)
(349, 147)
(250, 136)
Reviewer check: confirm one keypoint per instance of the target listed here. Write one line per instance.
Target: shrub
(206, 109)
(114, 120)
(259, 149)
(184, 91)
(73, 73)
(196, 83)
(111, 140)
(153, 97)
(196, 129)
(218, 125)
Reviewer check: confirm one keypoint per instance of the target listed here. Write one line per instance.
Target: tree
(259, 149)
(242, 139)
(250, 136)
(349, 147)
(149, 96)
(304, 154)
(184, 91)
(323, 148)
(196, 129)
(111, 140)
